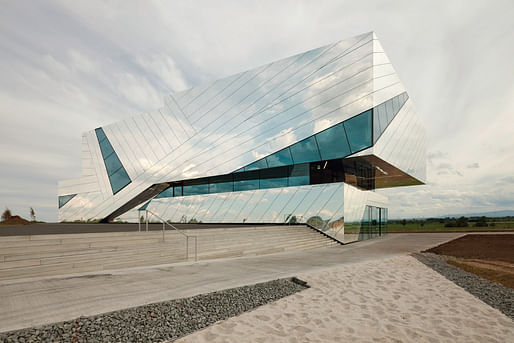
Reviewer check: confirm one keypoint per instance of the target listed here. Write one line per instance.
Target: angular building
(306, 139)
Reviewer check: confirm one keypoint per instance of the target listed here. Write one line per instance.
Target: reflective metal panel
(249, 119)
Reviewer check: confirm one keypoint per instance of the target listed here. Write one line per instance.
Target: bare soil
(15, 220)
(488, 256)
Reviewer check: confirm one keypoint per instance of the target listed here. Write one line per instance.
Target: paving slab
(37, 301)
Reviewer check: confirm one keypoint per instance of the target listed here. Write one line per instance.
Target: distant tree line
(455, 222)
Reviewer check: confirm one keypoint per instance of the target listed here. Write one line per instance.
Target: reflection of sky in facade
(329, 202)
(222, 126)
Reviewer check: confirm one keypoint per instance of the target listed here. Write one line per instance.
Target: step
(72, 253)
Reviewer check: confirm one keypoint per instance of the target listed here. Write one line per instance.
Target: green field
(437, 226)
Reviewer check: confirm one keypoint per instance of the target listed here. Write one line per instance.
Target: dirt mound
(15, 220)
(489, 256)
(493, 247)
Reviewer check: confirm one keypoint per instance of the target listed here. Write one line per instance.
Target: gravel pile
(493, 294)
(158, 322)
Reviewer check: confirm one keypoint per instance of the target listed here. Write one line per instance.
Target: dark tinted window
(106, 148)
(167, 193)
(63, 199)
(100, 134)
(273, 182)
(260, 164)
(221, 187)
(118, 176)
(195, 189)
(332, 143)
(245, 185)
(280, 158)
(177, 191)
(112, 164)
(358, 130)
(305, 151)
(299, 175)
(119, 180)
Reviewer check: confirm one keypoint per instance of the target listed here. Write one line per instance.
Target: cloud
(473, 166)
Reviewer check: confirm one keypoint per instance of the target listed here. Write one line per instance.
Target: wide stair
(50, 255)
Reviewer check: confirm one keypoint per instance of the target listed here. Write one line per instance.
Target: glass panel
(245, 185)
(100, 134)
(273, 183)
(260, 164)
(196, 189)
(177, 191)
(273, 178)
(63, 199)
(389, 110)
(310, 198)
(299, 175)
(221, 187)
(396, 105)
(118, 177)
(263, 206)
(106, 148)
(142, 208)
(382, 117)
(376, 126)
(358, 130)
(280, 158)
(246, 181)
(112, 164)
(167, 193)
(221, 178)
(332, 143)
(119, 180)
(305, 151)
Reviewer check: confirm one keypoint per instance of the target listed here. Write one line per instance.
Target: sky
(70, 66)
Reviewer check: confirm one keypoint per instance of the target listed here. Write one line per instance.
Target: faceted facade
(307, 139)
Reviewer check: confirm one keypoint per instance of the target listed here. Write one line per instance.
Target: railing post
(164, 223)
(187, 248)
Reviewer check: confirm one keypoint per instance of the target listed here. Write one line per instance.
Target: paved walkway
(37, 301)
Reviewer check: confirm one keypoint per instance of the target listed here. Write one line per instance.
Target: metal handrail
(178, 230)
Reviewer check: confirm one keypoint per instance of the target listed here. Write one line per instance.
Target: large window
(314, 160)
(117, 174)
(358, 131)
(63, 199)
(341, 140)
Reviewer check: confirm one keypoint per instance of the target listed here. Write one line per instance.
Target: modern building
(306, 139)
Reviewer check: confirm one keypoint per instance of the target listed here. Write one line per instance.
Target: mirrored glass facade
(306, 139)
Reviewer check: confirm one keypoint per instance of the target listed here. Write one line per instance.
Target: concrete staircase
(50, 255)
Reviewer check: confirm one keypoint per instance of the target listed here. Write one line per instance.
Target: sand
(391, 300)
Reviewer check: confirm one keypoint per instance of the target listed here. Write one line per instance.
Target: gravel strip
(493, 294)
(162, 321)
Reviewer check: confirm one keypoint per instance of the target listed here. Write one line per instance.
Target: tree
(462, 222)
(404, 222)
(32, 214)
(6, 215)
(481, 222)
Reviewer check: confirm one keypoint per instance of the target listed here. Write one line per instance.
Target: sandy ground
(390, 300)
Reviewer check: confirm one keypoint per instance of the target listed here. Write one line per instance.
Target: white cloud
(163, 67)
